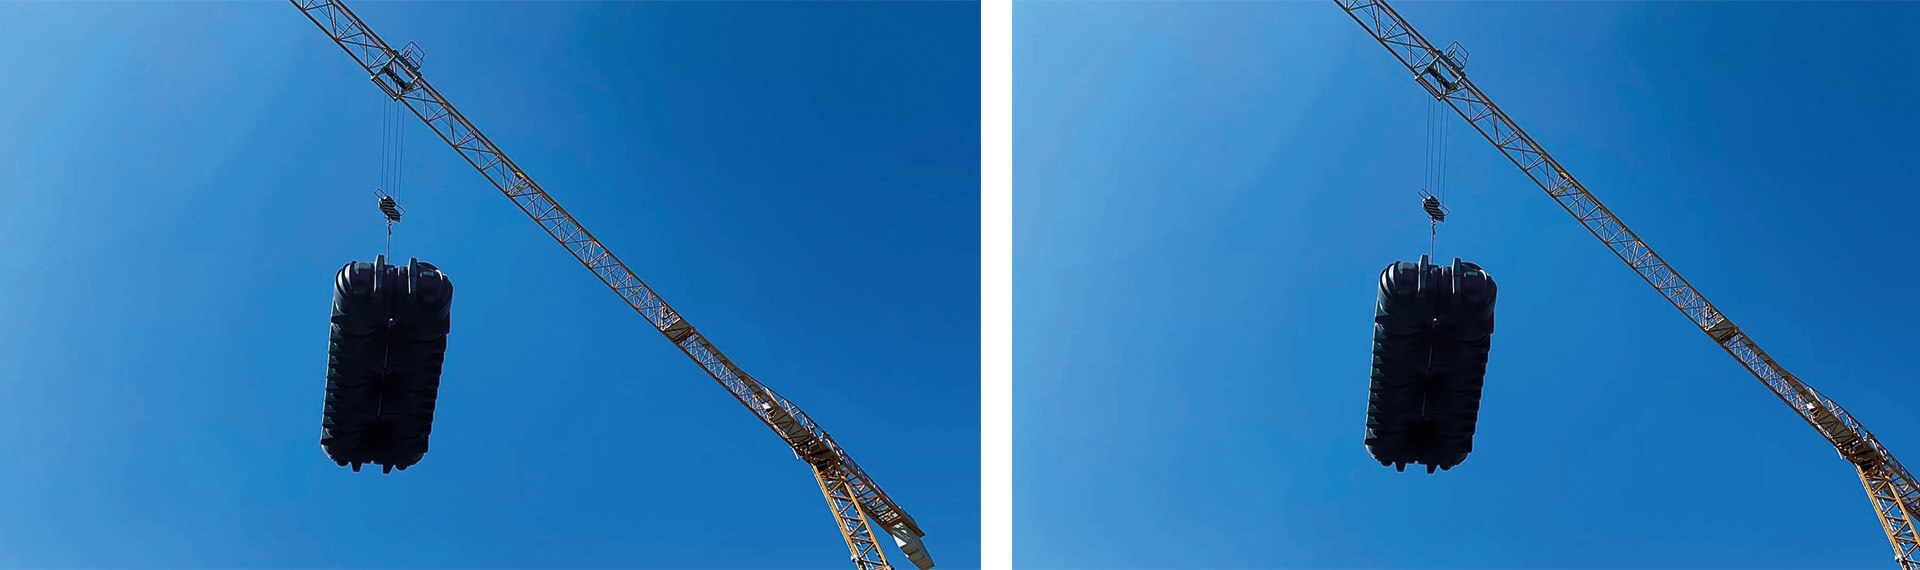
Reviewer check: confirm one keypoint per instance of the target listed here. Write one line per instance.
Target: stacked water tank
(388, 341)
(1433, 329)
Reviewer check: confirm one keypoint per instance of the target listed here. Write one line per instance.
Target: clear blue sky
(1205, 194)
(183, 180)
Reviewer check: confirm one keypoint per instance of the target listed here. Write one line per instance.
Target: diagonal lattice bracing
(1893, 491)
(397, 73)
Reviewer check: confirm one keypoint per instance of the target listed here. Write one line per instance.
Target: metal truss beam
(1895, 496)
(852, 519)
(397, 73)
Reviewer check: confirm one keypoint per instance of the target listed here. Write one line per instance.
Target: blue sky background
(183, 180)
(1206, 193)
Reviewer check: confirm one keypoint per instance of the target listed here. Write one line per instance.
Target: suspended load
(388, 343)
(1433, 329)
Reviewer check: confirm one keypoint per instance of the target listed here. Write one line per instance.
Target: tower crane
(856, 501)
(1890, 488)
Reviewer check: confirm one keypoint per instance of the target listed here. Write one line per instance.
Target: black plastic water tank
(356, 352)
(387, 346)
(1433, 328)
(416, 350)
(1403, 317)
(1462, 338)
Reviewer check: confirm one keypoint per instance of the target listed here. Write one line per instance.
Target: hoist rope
(1445, 127)
(1435, 174)
(1433, 178)
(393, 146)
(1433, 239)
(400, 148)
(386, 147)
(1426, 182)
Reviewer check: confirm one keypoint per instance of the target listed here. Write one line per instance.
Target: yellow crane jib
(1890, 488)
(856, 501)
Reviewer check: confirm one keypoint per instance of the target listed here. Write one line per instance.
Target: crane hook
(1432, 205)
(1436, 213)
(389, 208)
(392, 210)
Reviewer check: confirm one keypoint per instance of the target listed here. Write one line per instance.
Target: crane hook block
(385, 352)
(1435, 210)
(1433, 328)
(390, 208)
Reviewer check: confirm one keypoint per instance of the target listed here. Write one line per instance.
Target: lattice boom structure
(853, 497)
(1893, 492)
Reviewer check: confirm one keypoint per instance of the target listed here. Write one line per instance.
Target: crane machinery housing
(1890, 489)
(857, 503)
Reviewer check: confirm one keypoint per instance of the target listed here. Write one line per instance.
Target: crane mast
(856, 501)
(1892, 491)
